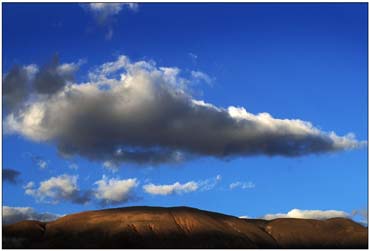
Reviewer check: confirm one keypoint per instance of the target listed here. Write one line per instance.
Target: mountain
(181, 227)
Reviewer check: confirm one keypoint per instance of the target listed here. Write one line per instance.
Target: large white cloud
(55, 189)
(114, 191)
(308, 214)
(139, 112)
(15, 214)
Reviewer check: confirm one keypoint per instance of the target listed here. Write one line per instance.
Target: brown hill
(181, 227)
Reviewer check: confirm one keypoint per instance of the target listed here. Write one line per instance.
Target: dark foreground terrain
(181, 227)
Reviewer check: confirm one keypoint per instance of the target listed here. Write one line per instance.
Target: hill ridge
(181, 227)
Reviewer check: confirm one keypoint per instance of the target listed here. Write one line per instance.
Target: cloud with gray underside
(10, 175)
(23, 83)
(141, 113)
(65, 188)
(60, 188)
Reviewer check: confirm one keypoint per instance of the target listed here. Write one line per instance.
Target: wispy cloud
(209, 184)
(242, 185)
(111, 166)
(181, 188)
(201, 76)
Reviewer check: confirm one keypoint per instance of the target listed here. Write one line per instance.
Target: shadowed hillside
(181, 227)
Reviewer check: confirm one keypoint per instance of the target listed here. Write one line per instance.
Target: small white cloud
(175, 188)
(244, 217)
(308, 214)
(242, 185)
(38, 160)
(15, 214)
(68, 69)
(29, 187)
(114, 191)
(55, 189)
(104, 11)
(178, 188)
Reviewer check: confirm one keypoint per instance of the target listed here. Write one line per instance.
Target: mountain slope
(180, 227)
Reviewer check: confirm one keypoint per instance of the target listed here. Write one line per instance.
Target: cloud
(141, 113)
(37, 160)
(53, 76)
(114, 191)
(175, 188)
(30, 82)
(308, 214)
(209, 184)
(41, 163)
(363, 215)
(15, 214)
(10, 175)
(178, 188)
(111, 166)
(55, 189)
(242, 185)
(103, 12)
(198, 75)
(65, 188)
(16, 86)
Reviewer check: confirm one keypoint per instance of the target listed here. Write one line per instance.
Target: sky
(245, 109)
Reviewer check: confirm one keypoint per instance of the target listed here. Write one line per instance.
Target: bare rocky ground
(181, 227)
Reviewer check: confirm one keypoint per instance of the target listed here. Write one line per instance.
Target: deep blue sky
(306, 61)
